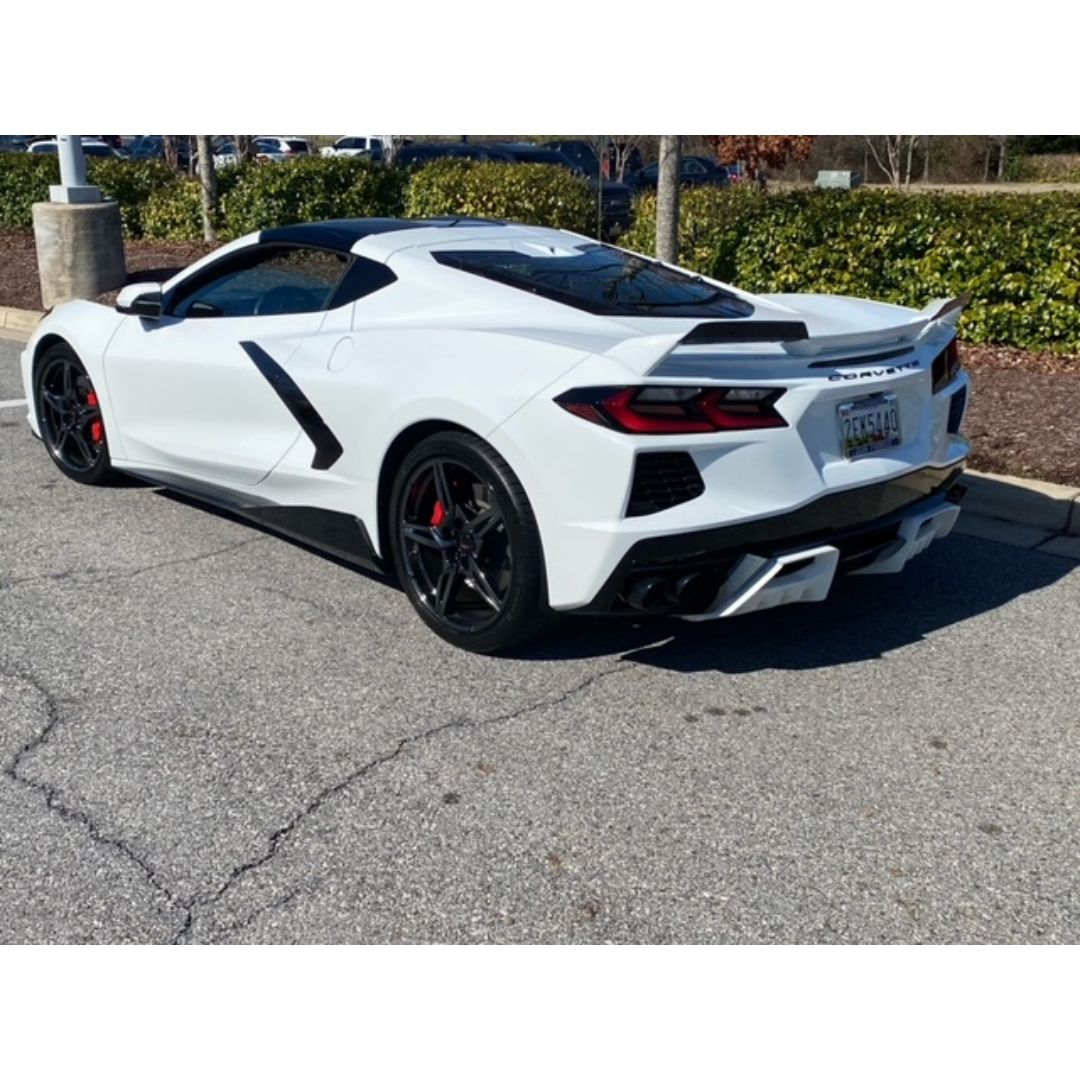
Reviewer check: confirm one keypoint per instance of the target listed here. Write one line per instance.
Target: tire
(465, 544)
(69, 417)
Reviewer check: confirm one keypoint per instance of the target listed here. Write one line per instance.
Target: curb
(18, 321)
(1051, 508)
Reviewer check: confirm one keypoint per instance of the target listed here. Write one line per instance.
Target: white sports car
(519, 420)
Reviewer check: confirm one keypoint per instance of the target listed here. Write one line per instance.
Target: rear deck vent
(663, 480)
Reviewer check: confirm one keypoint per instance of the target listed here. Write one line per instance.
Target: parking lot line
(12, 403)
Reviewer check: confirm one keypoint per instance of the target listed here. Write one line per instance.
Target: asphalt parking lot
(211, 734)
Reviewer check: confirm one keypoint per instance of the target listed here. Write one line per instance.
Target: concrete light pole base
(80, 250)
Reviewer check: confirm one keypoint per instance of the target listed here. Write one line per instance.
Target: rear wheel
(465, 544)
(69, 417)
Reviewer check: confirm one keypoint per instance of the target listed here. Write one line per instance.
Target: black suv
(616, 200)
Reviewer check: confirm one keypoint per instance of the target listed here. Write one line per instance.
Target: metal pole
(73, 187)
(72, 161)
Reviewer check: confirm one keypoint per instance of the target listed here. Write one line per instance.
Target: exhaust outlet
(694, 591)
(647, 594)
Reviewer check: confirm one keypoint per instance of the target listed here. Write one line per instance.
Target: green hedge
(311, 189)
(265, 196)
(1018, 256)
(25, 180)
(535, 194)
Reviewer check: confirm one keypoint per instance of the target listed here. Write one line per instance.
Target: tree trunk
(667, 199)
(208, 182)
(1002, 143)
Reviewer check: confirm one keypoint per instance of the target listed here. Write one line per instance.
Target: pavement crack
(54, 800)
(280, 835)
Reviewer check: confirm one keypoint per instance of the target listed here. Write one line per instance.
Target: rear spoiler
(642, 354)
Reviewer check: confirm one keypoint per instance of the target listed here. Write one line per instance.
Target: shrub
(712, 224)
(534, 194)
(1018, 256)
(174, 212)
(24, 180)
(130, 183)
(309, 189)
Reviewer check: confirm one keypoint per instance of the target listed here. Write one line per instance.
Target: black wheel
(465, 544)
(69, 417)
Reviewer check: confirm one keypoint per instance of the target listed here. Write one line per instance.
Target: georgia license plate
(869, 424)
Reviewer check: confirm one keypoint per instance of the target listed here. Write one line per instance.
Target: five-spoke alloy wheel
(465, 544)
(69, 417)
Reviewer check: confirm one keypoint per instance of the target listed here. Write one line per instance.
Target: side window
(276, 281)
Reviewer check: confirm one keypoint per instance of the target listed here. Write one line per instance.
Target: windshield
(603, 280)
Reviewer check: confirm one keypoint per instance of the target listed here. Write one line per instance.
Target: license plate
(869, 425)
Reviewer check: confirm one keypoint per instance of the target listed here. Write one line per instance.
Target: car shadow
(864, 618)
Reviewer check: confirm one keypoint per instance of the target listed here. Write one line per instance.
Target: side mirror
(143, 300)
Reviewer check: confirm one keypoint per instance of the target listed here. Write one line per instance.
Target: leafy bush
(712, 225)
(1045, 168)
(1018, 256)
(24, 180)
(130, 183)
(535, 194)
(174, 212)
(309, 189)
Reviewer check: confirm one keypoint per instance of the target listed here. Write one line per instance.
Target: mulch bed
(1024, 418)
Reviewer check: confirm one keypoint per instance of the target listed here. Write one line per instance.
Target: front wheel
(69, 417)
(465, 544)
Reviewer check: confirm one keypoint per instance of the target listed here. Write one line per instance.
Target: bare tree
(895, 158)
(624, 147)
(1002, 146)
(208, 183)
(667, 199)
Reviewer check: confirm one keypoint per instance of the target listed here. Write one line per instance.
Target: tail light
(946, 365)
(675, 410)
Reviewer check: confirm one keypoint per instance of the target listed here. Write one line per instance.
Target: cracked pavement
(211, 734)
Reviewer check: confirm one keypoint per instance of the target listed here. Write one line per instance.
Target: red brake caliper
(438, 515)
(97, 430)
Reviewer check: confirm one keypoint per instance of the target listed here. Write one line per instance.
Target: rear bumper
(875, 528)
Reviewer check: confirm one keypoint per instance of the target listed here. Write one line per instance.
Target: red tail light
(946, 365)
(675, 410)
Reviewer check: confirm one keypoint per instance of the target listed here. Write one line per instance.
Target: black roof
(340, 235)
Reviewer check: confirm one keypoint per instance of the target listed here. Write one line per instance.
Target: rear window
(297, 146)
(602, 280)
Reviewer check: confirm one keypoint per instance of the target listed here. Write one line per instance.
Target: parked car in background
(90, 147)
(10, 144)
(694, 172)
(423, 153)
(737, 173)
(281, 148)
(152, 148)
(371, 146)
(583, 154)
(616, 199)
